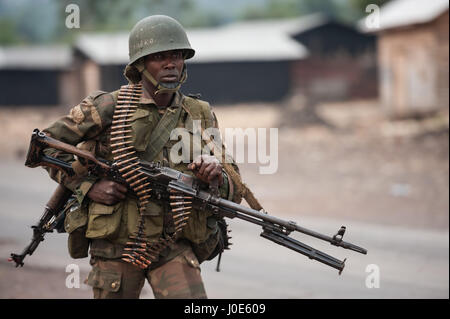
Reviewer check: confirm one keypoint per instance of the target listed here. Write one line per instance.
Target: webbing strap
(161, 132)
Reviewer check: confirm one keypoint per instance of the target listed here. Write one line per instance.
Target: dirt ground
(20, 282)
(359, 166)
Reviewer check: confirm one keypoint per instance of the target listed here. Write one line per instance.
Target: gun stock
(36, 157)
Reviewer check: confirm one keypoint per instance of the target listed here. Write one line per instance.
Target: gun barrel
(288, 225)
(350, 246)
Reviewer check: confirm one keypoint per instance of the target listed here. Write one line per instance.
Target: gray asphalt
(413, 263)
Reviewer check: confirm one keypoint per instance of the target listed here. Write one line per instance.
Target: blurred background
(358, 90)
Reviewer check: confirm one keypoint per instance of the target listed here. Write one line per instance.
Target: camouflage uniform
(178, 278)
(106, 229)
(177, 273)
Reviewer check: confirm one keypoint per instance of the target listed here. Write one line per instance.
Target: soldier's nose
(169, 65)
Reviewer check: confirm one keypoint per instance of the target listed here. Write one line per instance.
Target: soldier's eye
(177, 55)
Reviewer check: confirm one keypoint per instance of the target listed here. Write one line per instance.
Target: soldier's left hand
(207, 168)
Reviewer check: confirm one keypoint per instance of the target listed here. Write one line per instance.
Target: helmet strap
(161, 87)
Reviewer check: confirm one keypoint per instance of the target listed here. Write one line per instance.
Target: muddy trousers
(178, 278)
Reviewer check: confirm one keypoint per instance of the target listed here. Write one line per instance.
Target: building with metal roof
(230, 65)
(246, 61)
(36, 75)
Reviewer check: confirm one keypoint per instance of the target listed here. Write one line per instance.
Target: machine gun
(165, 181)
(51, 219)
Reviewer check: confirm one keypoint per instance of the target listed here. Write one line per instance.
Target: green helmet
(156, 34)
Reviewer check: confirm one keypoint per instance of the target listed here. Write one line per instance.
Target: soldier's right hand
(107, 192)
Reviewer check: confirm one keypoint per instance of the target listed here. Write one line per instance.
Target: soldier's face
(165, 66)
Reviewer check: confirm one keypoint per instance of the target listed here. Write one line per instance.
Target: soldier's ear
(132, 74)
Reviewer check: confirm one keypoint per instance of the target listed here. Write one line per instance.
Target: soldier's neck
(161, 100)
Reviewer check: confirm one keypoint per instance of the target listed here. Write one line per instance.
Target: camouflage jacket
(88, 126)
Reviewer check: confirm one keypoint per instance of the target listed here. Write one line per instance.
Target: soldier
(108, 211)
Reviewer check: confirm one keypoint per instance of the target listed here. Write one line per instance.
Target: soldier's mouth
(169, 78)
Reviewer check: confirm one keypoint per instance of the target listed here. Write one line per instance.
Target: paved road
(412, 263)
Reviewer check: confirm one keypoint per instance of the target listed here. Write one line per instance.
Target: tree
(347, 11)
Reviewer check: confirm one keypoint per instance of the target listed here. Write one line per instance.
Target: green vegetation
(43, 21)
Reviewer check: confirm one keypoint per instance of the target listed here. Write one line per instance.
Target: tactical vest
(115, 223)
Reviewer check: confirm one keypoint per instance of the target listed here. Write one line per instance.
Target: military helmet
(157, 33)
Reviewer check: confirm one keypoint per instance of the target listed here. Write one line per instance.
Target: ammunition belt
(139, 250)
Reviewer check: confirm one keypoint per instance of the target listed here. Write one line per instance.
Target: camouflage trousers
(178, 278)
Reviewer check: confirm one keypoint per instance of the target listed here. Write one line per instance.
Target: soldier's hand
(107, 192)
(207, 168)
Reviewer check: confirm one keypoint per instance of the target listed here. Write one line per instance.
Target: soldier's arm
(230, 189)
(84, 122)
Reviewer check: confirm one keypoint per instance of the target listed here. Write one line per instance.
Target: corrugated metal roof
(260, 40)
(35, 57)
(399, 13)
(229, 43)
(243, 45)
(104, 48)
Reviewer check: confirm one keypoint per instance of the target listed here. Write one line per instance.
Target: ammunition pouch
(215, 243)
(75, 224)
(104, 220)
